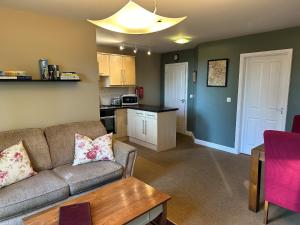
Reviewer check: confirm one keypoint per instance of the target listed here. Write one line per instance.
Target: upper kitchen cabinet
(103, 62)
(121, 70)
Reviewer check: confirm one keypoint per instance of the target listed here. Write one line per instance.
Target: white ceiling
(207, 19)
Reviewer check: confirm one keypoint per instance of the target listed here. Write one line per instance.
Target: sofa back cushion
(35, 144)
(61, 139)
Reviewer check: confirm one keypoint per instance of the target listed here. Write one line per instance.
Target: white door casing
(263, 96)
(175, 94)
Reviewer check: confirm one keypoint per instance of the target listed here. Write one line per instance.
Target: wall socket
(228, 99)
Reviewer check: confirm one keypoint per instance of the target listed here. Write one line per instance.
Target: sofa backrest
(34, 142)
(61, 139)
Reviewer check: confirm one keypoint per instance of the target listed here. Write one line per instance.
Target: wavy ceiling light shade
(134, 19)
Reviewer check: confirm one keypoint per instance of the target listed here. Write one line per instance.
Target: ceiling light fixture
(182, 41)
(122, 47)
(149, 52)
(135, 50)
(134, 19)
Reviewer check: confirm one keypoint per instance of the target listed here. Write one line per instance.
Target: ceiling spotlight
(135, 50)
(149, 52)
(122, 47)
(182, 41)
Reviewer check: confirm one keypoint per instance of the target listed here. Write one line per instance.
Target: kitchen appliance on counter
(108, 118)
(129, 99)
(116, 101)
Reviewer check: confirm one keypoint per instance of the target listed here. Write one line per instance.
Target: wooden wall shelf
(36, 80)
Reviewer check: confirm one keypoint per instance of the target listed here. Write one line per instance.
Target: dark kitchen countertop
(148, 108)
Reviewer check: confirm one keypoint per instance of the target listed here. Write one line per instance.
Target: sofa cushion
(61, 139)
(35, 192)
(35, 144)
(87, 176)
(14, 165)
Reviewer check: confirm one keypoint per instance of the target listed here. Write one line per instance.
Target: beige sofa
(52, 152)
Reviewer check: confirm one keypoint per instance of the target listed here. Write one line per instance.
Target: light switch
(228, 99)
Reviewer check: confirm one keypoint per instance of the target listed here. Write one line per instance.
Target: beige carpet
(208, 187)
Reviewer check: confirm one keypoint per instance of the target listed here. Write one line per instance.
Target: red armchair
(282, 170)
(296, 124)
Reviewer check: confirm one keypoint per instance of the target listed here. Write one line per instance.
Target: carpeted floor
(208, 187)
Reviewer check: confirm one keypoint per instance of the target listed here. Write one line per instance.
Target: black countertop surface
(148, 108)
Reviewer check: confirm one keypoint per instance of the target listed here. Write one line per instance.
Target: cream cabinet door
(140, 125)
(131, 122)
(121, 122)
(151, 129)
(103, 63)
(129, 70)
(116, 70)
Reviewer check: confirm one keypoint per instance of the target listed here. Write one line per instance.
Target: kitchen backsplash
(106, 94)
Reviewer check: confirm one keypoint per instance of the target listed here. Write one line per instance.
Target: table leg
(162, 218)
(255, 176)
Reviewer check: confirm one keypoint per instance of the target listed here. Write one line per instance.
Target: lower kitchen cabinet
(156, 131)
(121, 124)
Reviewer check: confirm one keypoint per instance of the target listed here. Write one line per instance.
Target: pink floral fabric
(14, 165)
(88, 150)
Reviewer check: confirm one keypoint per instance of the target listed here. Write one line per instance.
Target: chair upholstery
(35, 144)
(61, 139)
(296, 124)
(32, 193)
(282, 169)
(90, 175)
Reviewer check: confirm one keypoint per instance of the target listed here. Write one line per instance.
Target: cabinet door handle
(145, 127)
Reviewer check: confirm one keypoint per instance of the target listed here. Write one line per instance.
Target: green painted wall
(214, 118)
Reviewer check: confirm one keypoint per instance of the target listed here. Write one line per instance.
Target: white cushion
(14, 165)
(88, 150)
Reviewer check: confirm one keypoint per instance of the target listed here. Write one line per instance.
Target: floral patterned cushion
(88, 150)
(14, 165)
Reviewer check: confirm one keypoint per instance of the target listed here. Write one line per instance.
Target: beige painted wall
(147, 74)
(25, 37)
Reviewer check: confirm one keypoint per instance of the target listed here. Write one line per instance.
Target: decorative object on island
(217, 73)
(134, 19)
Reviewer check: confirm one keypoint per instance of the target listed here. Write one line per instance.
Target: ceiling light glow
(182, 41)
(134, 19)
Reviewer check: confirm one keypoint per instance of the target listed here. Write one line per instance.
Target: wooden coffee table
(128, 201)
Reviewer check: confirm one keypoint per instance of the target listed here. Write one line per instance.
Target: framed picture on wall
(217, 72)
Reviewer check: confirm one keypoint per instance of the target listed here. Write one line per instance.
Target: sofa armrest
(125, 155)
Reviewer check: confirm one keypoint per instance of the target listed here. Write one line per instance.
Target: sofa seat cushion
(32, 193)
(87, 176)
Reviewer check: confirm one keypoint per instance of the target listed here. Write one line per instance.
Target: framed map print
(217, 70)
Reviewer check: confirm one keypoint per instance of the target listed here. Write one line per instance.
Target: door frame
(186, 89)
(241, 89)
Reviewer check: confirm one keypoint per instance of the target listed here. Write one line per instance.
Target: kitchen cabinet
(121, 123)
(116, 70)
(156, 131)
(120, 69)
(103, 64)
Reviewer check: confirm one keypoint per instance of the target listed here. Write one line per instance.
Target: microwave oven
(129, 99)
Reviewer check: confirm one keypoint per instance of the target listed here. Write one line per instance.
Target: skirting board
(211, 145)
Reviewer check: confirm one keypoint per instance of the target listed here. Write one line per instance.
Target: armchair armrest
(125, 155)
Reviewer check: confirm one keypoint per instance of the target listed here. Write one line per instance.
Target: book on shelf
(77, 214)
(69, 78)
(8, 77)
(14, 73)
(24, 77)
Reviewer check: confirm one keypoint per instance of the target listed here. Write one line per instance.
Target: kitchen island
(153, 127)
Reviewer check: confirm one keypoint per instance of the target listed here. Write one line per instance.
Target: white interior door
(265, 98)
(176, 91)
